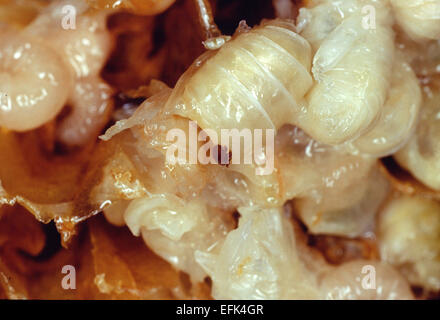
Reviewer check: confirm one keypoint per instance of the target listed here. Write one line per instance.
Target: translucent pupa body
(262, 78)
(256, 80)
(420, 19)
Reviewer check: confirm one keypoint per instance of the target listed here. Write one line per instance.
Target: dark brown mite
(222, 156)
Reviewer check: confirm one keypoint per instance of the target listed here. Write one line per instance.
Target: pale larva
(346, 210)
(259, 260)
(420, 19)
(45, 65)
(33, 83)
(351, 68)
(85, 46)
(398, 116)
(409, 234)
(344, 282)
(84, 49)
(421, 154)
(91, 107)
(175, 229)
(256, 80)
(336, 192)
(263, 259)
